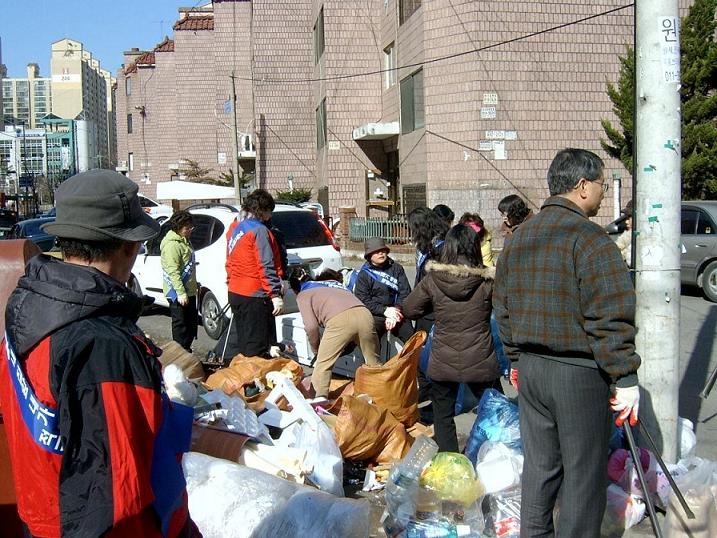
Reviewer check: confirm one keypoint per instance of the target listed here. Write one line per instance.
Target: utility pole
(657, 215)
(237, 184)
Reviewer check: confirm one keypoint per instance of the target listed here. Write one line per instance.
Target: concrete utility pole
(657, 215)
(237, 184)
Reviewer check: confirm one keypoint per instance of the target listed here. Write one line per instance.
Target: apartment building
(26, 100)
(81, 90)
(383, 105)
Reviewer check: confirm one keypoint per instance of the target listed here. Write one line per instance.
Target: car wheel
(709, 282)
(213, 320)
(160, 220)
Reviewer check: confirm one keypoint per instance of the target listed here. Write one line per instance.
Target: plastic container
(402, 484)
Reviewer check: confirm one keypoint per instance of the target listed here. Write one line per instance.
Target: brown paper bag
(173, 353)
(365, 432)
(243, 371)
(393, 386)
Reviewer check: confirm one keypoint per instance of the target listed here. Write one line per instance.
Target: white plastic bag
(228, 500)
(687, 437)
(499, 467)
(324, 455)
(699, 487)
(622, 511)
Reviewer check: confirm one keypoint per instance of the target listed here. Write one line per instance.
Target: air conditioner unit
(247, 143)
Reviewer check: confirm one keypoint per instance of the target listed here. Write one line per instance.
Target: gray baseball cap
(100, 204)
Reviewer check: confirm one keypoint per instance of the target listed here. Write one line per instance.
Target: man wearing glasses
(565, 306)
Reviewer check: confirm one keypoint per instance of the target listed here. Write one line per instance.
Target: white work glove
(274, 352)
(393, 313)
(183, 300)
(626, 402)
(278, 303)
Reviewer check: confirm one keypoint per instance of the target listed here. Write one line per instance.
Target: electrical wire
(494, 167)
(448, 56)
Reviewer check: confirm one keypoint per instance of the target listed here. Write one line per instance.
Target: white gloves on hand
(626, 402)
(393, 317)
(274, 352)
(278, 303)
(183, 300)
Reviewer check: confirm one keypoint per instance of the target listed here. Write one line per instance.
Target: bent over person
(179, 275)
(565, 306)
(94, 441)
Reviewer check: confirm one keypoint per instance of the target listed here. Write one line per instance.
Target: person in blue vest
(179, 275)
(328, 304)
(95, 444)
(382, 286)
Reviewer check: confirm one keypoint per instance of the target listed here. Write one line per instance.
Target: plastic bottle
(402, 484)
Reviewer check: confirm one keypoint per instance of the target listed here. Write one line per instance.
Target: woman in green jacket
(179, 275)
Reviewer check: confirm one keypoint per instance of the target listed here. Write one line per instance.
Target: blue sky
(105, 27)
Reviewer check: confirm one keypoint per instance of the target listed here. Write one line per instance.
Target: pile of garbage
(270, 460)
(265, 451)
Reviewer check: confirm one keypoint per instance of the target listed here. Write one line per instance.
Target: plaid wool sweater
(563, 291)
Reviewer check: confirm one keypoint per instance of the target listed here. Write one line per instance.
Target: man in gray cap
(95, 443)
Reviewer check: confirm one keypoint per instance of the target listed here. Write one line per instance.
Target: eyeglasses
(605, 186)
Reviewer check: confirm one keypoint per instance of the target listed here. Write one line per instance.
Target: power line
(494, 167)
(448, 56)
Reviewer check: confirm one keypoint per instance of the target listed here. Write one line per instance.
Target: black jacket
(377, 296)
(461, 299)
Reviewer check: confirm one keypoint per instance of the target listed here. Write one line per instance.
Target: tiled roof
(145, 59)
(131, 68)
(165, 46)
(201, 22)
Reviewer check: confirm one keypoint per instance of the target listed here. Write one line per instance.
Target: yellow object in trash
(452, 477)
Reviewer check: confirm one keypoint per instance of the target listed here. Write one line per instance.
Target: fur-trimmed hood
(458, 282)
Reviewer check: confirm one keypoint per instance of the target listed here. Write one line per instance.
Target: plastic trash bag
(499, 467)
(497, 421)
(452, 478)
(228, 500)
(687, 437)
(622, 511)
(324, 455)
(503, 514)
(699, 487)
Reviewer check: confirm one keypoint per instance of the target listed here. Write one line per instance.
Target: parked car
(309, 244)
(698, 262)
(8, 218)
(159, 212)
(30, 229)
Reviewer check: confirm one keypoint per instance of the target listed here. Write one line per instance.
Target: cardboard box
(217, 443)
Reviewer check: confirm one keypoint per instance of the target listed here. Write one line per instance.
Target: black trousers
(253, 325)
(403, 331)
(443, 396)
(184, 322)
(424, 383)
(565, 429)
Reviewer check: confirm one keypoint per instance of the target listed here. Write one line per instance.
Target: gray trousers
(565, 428)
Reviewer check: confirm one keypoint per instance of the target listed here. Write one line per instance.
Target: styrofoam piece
(285, 462)
(290, 329)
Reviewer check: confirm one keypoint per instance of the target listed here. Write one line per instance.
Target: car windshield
(300, 229)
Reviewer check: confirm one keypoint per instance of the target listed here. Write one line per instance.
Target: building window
(130, 161)
(406, 9)
(128, 86)
(412, 103)
(389, 64)
(319, 36)
(321, 125)
(129, 123)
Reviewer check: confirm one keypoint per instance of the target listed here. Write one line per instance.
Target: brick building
(378, 104)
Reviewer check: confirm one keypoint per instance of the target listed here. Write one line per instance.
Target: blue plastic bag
(497, 421)
(503, 362)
